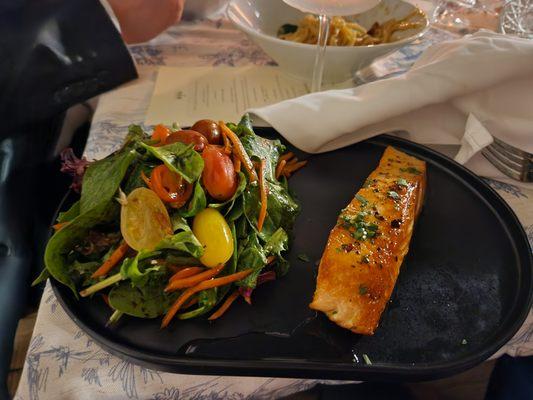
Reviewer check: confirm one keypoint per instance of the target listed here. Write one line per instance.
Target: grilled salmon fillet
(365, 249)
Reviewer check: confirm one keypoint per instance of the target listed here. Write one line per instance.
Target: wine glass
(325, 9)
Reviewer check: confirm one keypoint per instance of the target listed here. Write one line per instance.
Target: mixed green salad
(177, 223)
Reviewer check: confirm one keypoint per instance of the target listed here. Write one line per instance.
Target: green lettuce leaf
(184, 241)
(131, 268)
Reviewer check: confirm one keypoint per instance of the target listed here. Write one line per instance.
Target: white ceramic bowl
(261, 19)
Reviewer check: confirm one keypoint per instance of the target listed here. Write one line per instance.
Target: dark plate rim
(280, 367)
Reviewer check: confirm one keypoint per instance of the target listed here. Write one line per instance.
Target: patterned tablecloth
(62, 361)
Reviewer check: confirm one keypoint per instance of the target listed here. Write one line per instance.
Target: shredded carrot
(227, 143)
(194, 279)
(292, 168)
(224, 307)
(270, 259)
(263, 193)
(239, 151)
(60, 225)
(279, 168)
(236, 164)
(146, 180)
(172, 268)
(286, 156)
(211, 283)
(192, 301)
(113, 260)
(185, 273)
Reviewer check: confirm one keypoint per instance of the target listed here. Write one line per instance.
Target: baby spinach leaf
(236, 210)
(282, 209)
(257, 147)
(197, 203)
(179, 223)
(145, 301)
(182, 241)
(244, 127)
(70, 214)
(63, 241)
(135, 135)
(179, 158)
(240, 189)
(103, 177)
(130, 268)
(134, 179)
(251, 255)
(179, 260)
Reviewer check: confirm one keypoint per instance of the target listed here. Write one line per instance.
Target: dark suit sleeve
(56, 53)
(53, 54)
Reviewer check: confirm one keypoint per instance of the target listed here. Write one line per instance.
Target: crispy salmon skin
(366, 248)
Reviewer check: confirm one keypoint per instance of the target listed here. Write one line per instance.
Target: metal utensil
(513, 162)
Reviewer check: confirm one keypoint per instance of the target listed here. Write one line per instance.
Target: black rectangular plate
(464, 289)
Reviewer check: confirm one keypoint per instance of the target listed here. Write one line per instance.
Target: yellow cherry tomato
(144, 220)
(213, 232)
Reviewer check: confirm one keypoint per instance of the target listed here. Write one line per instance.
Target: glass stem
(318, 70)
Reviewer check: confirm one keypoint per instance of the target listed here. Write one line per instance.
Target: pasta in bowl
(261, 20)
(346, 32)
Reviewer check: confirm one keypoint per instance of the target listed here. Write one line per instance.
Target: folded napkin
(459, 92)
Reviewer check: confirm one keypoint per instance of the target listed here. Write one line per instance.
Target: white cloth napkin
(459, 92)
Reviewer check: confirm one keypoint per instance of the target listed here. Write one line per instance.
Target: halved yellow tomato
(213, 232)
(144, 220)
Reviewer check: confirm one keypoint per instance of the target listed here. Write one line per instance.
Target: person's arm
(142, 20)
(54, 54)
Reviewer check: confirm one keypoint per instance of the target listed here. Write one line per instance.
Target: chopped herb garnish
(361, 199)
(367, 360)
(362, 229)
(363, 290)
(365, 259)
(369, 182)
(411, 170)
(303, 257)
(393, 195)
(402, 182)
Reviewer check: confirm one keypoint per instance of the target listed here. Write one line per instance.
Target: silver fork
(513, 162)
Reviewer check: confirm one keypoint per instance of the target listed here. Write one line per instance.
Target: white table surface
(62, 361)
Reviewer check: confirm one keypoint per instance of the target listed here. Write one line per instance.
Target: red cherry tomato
(219, 177)
(169, 186)
(209, 129)
(188, 137)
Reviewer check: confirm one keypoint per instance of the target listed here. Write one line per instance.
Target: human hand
(142, 20)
